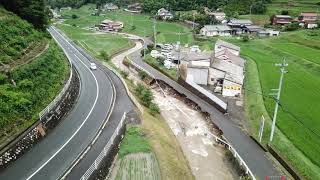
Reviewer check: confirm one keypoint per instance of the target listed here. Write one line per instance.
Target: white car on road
(93, 66)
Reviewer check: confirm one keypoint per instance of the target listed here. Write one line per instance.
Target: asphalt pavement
(55, 153)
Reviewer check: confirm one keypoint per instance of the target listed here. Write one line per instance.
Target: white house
(164, 14)
(222, 45)
(110, 7)
(228, 74)
(215, 30)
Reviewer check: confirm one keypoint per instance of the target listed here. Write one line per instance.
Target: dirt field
(206, 158)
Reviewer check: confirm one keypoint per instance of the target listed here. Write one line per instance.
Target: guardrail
(95, 165)
(229, 147)
(58, 98)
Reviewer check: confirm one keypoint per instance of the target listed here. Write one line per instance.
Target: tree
(34, 11)
(259, 8)
(154, 109)
(105, 56)
(292, 26)
(245, 38)
(284, 12)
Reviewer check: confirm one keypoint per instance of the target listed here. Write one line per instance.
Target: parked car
(167, 46)
(195, 48)
(93, 66)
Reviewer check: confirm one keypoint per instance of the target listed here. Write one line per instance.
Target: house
(228, 75)
(308, 19)
(164, 14)
(222, 45)
(110, 7)
(109, 25)
(281, 20)
(238, 25)
(220, 16)
(198, 66)
(253, 29)
(134, 8)
(228, 56)
(215, 30)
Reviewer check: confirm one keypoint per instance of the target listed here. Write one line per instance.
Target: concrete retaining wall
(39, 129)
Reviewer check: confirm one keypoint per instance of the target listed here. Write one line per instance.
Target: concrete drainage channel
(49, 118)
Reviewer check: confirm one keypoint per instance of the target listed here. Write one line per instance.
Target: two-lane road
(55, 153)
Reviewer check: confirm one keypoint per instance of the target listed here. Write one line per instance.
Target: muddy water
(206, 158)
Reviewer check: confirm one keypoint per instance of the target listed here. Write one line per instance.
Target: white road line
(95, 101)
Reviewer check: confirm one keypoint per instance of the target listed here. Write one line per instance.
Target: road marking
(95, 101)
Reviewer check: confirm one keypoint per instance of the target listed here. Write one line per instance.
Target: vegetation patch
(29, 89)
(134, 141)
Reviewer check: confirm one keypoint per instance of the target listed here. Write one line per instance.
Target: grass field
(167, 32)
(298, 140)
(95, 43)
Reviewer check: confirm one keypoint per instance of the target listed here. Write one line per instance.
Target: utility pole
(194, 19)
(144, 44)
(154, 32)
(179, 55)
(283, 65)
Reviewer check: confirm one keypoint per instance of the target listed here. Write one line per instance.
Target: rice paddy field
(293, 6)
(297, 136)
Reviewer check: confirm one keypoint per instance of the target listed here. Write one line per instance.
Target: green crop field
(95, 42)
(139, 166)
(293, 6)
(298, 115)
(143, 24)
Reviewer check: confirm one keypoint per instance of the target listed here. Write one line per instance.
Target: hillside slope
(33, 68)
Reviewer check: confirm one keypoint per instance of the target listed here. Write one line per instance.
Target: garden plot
(137, 166)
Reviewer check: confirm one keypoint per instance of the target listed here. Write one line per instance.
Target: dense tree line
(34, 11)
(231, 7)
(16, 35)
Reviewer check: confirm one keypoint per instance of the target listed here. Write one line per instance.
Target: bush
(105, 56)
(74, 16)
(124, 74)
(284, 12)
(154, 109)
(126, 62)
(245, 38)
(144, 94)
(142, 74)
(292, 27)
(259, 8)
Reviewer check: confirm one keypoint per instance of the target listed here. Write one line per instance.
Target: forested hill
(32, 72)
(231, 7)
(34, 11)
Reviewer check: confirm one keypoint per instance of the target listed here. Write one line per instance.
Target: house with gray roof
(215, 30)
(238, 25)
(223, 45)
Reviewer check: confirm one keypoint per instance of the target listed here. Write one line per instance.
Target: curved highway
(54, 154)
